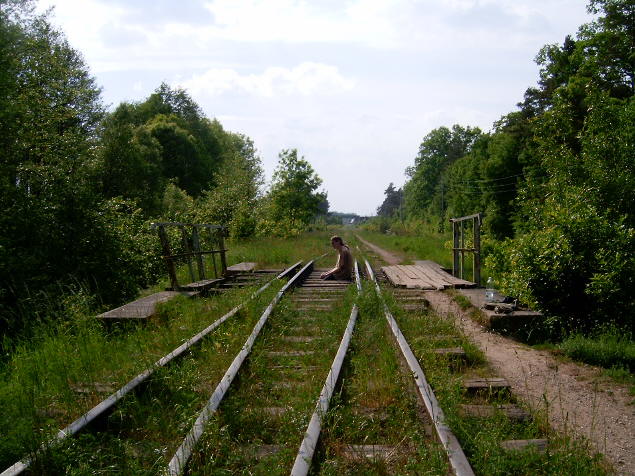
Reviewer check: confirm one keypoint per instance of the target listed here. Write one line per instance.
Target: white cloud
(306, 79)
(360, 21)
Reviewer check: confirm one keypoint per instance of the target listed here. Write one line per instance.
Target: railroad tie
(490, 384)
(450, 351)
(513, 412)
(539, 445)
(290, 353)
(383, 452)
(262, 451)
(275, 411)
(300, 339)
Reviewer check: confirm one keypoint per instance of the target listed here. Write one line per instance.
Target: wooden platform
(246, 267)
(141, 308)
(507, 322)
(203, 285)
(423, 275)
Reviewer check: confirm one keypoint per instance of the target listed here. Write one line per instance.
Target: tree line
(80, 185)
(555, 179)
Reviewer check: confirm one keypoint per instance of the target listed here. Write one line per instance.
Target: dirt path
(387, 256)
(568, 393)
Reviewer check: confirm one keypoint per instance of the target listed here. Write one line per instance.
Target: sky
(354, 85)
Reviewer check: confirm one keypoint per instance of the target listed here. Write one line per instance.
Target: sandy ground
(387, 256)
(575, 399)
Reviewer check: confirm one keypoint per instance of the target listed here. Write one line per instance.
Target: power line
(491, 180)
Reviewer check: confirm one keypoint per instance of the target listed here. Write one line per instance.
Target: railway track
(269, 412)
(107, 405)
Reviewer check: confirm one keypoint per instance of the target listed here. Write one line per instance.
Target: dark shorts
(334, 277)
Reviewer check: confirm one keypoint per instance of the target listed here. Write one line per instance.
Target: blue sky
(353, 85)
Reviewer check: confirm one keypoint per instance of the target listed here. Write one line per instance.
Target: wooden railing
(191, 237)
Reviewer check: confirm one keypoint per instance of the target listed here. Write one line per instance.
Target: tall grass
(607, 349)
(70, 366)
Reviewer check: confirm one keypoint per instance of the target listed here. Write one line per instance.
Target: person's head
(337, 242)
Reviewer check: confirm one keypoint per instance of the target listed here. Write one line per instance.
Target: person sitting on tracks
(343, 270)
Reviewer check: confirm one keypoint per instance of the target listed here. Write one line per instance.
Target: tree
(164, 138)
(293, 195)
(573, 257)
(439, 149)
(233, 201)
(392, 203)
(56, 230)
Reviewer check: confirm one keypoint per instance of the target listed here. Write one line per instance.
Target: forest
(555, 180)
(80, 184)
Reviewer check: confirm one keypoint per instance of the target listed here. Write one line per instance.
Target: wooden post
(211, 232)
(462, 263)
(455, 249)
(221, 243)
(187, 250)
(167, 256)
(477, 249)
(196, 245)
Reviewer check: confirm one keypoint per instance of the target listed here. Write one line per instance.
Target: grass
(372, 407)
(607, 349)
(243, 423)
(49, 382)
(481, 437)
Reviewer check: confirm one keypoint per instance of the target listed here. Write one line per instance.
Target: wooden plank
(401, 276)
(486, 383)
(435, 282)
(141, 308)
(513, 412)
(439, 271)
(540, 445)
(245, 267)
(437, 274)
(202, 285)
(452, 351)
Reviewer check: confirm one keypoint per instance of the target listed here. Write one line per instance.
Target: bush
(579, 267)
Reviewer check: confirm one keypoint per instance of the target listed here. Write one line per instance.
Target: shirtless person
(344, 268)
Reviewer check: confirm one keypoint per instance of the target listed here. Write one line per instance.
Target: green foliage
(555, 179)
(233, 202)
(177, 205)
(293, 200)
(393, 202)
(437, 151)
(609, 349)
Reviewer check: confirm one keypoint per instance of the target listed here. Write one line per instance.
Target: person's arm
(332, 271)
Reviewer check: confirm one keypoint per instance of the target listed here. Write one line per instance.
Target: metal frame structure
(459, 249)
(191, 244)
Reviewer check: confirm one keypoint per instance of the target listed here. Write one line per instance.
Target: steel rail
(307, 447)
(113, 399)
(179, 461)
(458, 461)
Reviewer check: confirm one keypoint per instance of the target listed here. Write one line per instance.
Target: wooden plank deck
(423, 275)
(245, 267)
(202, 285)
(141, 308)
